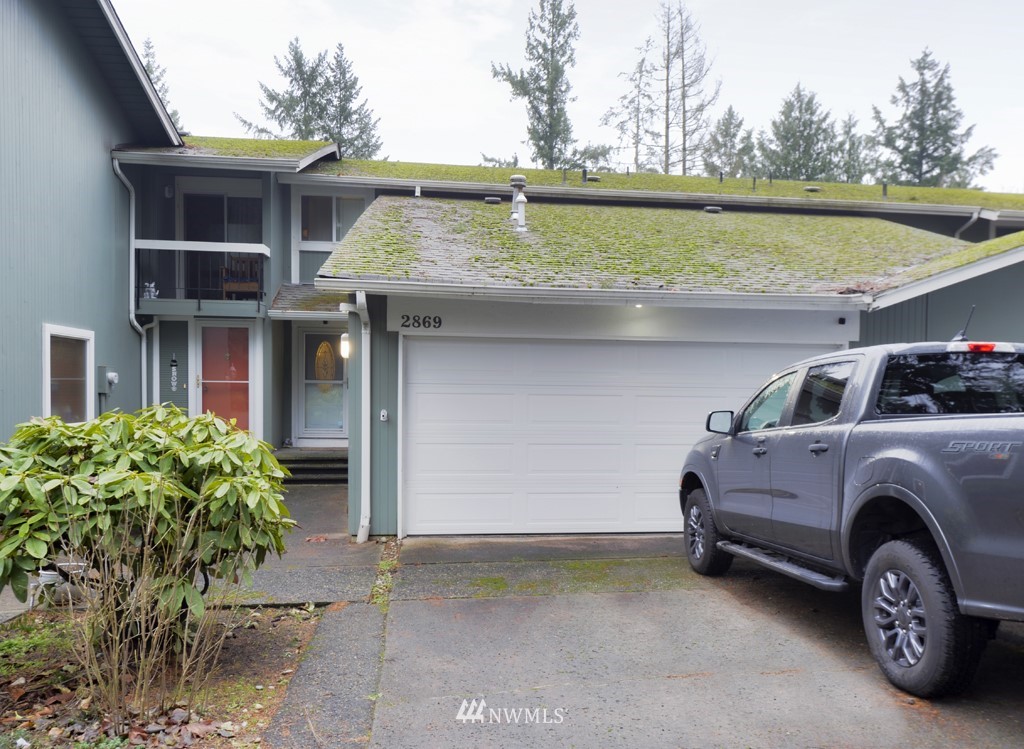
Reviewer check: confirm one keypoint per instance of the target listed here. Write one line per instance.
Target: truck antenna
(962, 335)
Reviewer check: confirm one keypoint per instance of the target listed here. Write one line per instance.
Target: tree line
(663, 117)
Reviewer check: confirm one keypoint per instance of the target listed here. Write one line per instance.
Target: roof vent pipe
(518, 182)
(521, 212)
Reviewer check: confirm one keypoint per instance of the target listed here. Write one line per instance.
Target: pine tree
(157, 75)
(550, 51)
(320, 102)
(802, 142)
(730, 148)
(350, 125)
(853, 151)
(925, 146)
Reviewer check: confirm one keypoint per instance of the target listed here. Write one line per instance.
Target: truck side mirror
(720, 422)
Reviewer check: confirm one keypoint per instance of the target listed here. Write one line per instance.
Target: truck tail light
(978, 347)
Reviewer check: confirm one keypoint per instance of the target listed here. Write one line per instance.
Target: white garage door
(530, 436)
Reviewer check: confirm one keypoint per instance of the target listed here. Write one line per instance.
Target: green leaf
(35, 547)
(18, 580)
(195, 601)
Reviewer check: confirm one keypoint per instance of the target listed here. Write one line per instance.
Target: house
(528, 353)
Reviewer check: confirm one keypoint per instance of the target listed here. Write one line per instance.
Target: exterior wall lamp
(345, 347)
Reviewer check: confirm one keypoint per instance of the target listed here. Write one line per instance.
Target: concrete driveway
(612, 641)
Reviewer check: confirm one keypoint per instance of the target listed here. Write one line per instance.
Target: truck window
(822, 392)
(952, 383)
(766, 408)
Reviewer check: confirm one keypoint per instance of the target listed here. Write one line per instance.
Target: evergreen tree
(318, 103)
(925, 145)
(350, 125)
(632, 116)
(730, 148)
(157, 74)
(550, 51)
(802, 142)
(853, 151)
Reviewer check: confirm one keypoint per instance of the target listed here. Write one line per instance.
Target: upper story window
(68, 373)
(220, 210)
(328, 219)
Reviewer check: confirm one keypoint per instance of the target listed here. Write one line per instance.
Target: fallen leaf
(319, 539)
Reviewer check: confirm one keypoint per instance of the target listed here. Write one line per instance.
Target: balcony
(215, 278)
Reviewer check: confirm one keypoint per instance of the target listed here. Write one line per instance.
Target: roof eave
(140, 71)
(604, 195)
(848, 302)
(234, 163)
(888, 298)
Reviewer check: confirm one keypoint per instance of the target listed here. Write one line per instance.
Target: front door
(321, 388)
(225, 373)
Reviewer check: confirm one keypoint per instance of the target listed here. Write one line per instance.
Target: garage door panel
(539, 436)
(464, 512)
(572, 461)
(575, 409)
(467, 459)
(556, 510)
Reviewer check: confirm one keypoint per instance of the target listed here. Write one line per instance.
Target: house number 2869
(421, 321)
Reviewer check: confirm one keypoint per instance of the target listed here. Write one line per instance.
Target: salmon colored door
(225, 387)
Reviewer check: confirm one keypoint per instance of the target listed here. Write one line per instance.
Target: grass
(262, 148)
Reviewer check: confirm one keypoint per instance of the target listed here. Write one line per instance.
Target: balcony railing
(196, 272)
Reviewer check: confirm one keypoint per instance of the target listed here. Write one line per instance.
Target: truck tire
(702, 536)
(921, 641)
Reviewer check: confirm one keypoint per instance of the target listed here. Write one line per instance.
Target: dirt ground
(43, 698)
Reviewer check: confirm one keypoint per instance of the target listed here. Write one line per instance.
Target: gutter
(132, 319)
(364, 448)
(831, 301)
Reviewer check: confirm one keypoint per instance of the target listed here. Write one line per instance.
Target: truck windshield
(952, 383)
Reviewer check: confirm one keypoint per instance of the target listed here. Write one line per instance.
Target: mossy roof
(246, 148)
(644, 182)
(573, 246)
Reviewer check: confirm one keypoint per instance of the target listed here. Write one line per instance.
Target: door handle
(818, 447)
(760, 450)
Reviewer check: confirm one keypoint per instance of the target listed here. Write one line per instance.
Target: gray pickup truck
(896, 467)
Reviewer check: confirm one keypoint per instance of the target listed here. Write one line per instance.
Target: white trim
(180, 245)
(835, 302)
(81, 334)
(300, 437)
(287, 314)
(941, 280)
(296, 235)
(155, 368)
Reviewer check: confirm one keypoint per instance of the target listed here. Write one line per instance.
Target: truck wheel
(702, 536)
(916, 633)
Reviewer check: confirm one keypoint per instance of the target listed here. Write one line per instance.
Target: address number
(421, 321)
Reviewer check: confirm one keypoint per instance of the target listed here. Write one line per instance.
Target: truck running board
(785, 565)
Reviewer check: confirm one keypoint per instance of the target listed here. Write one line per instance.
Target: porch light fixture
(345, 348)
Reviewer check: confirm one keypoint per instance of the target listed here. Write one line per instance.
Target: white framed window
(69, 373)
(327, 218)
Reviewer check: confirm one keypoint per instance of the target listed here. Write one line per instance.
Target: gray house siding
(174, 347)
(63, 238)
(940, 315)
(383, 435)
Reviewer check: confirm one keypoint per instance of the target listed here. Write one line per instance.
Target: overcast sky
(425, 65)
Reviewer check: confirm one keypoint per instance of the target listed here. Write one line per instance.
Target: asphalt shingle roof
(571, 246)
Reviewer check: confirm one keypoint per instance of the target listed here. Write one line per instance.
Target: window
(68, 366)
(822, 393)
(223, 218)
(766, 408)
(952, 383)
(328, 219)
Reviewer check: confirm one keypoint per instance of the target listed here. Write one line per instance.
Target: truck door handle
(760, 450)
(818, 447)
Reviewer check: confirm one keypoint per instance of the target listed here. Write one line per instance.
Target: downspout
(364, 453)
(143, 368)
(969, 224)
